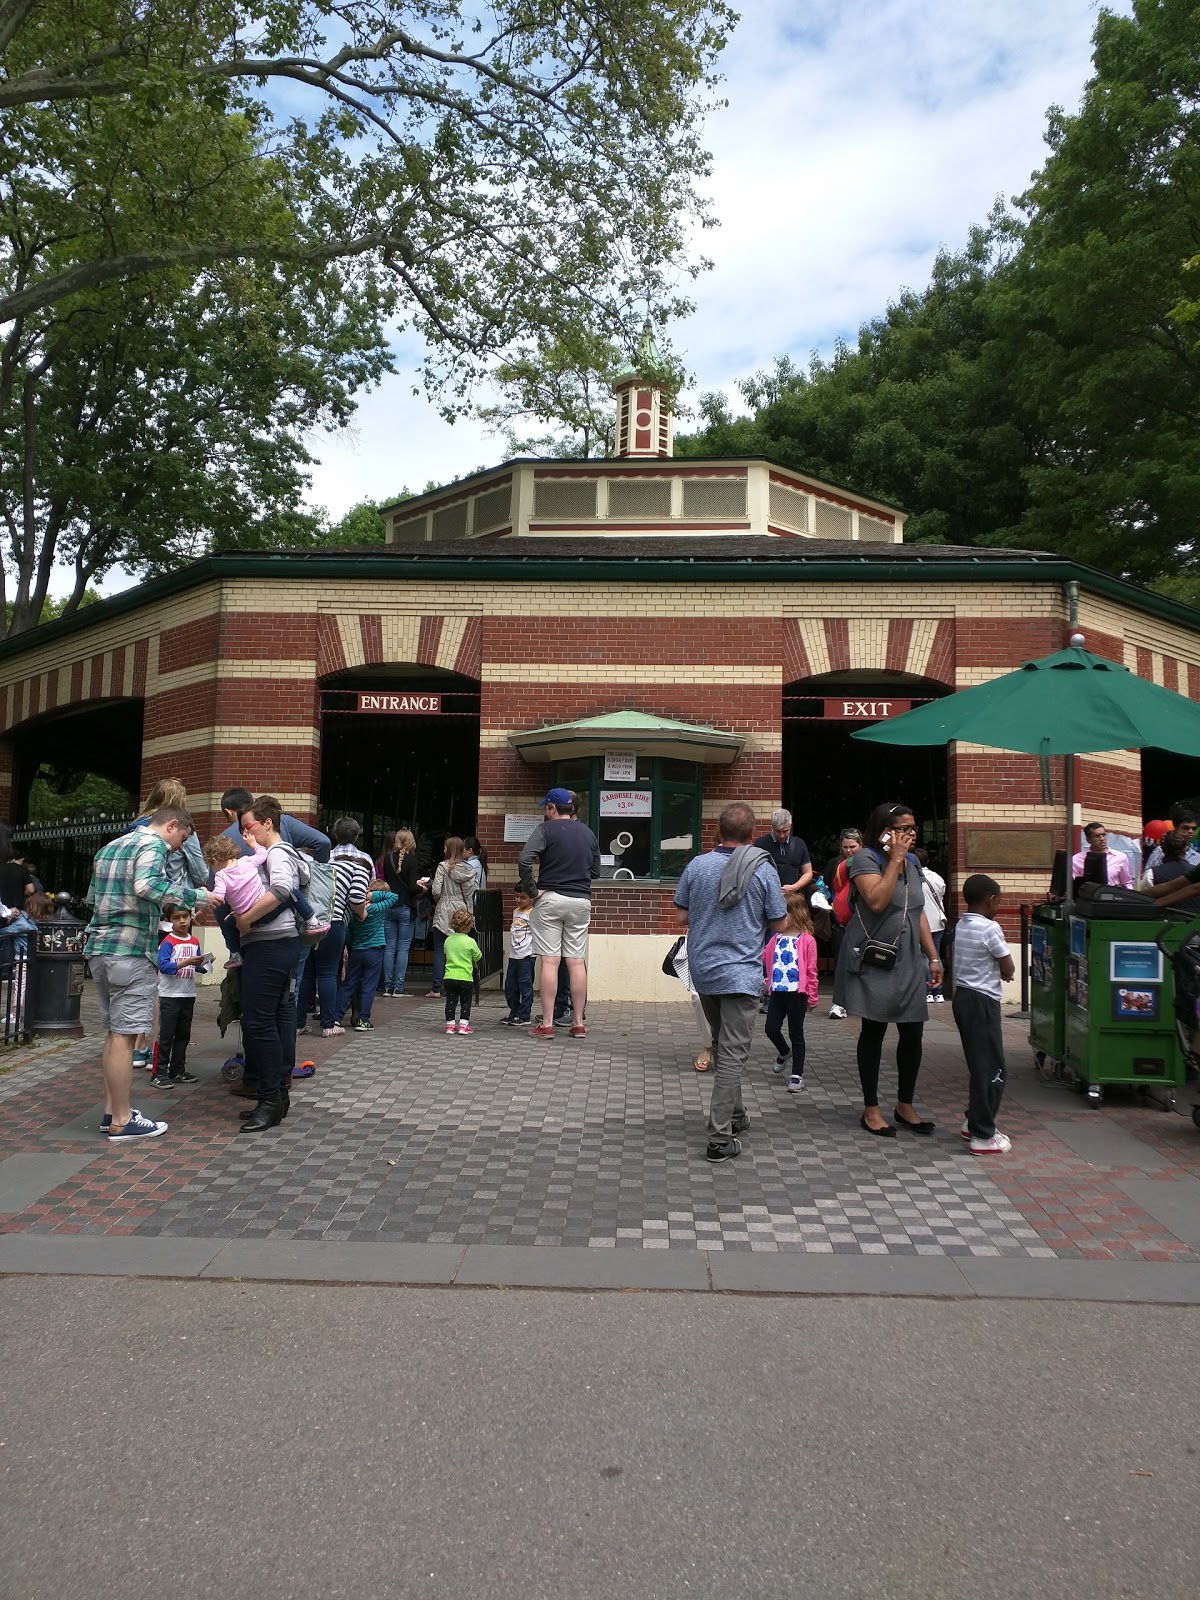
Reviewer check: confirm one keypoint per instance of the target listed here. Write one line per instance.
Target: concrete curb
(567, 1267)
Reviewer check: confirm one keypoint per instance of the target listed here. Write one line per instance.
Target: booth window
(648, 826)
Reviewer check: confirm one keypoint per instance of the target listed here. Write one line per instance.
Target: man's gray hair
(346, 830)
(781, 819)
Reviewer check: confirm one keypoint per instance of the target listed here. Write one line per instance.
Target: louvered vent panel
(714, 497)
(564, 497)
(831, 522)
(451, 522)
(639, 497)
(412, 528)
(874, 531)
(789, 507)
(494, 509)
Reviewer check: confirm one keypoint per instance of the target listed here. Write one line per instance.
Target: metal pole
(1070, 787)
(1025, 910)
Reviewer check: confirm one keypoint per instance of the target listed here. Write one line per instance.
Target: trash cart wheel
(232, 1069)
(1196, 1115)
(1094, 1095)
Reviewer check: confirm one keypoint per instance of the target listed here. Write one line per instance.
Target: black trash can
(56, 973)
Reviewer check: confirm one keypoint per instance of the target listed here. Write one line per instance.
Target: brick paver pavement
(407, 1135)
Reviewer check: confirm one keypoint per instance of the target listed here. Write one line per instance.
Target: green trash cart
(1119, 1002)
(1047, 986)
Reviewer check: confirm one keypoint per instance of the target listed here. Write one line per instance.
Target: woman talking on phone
(881, 968)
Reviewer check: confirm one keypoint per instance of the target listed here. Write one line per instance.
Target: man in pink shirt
(1099, 864)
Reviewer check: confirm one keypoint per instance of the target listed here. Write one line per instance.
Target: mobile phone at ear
(885, 838)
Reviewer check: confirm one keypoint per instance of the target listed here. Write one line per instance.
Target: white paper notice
(518, 826)
(620, 766)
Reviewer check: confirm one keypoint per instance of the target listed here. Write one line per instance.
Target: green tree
(1043, 391)
(529, 167)
(192, 281)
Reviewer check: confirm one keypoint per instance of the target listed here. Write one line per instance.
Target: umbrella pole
(1070, 788)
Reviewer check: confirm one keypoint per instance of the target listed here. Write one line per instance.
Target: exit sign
(852, 710)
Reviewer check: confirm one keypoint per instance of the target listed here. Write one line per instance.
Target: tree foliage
(211, 212)
(1043, 391)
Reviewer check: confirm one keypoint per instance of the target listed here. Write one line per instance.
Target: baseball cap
(556, 797)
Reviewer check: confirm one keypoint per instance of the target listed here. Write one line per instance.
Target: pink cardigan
(806, 960)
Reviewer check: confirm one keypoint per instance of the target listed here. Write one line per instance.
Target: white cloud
(857, 140)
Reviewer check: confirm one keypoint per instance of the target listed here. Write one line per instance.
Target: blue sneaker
(138, 1127)
(106, 1119)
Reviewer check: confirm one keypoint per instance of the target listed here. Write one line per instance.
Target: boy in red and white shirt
(180, 958)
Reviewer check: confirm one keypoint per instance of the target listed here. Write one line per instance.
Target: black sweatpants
(794, 1007)
(460, 992)
(978, 1019)
(174, 1033)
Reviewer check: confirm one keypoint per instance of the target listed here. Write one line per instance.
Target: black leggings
(793, 1007)
(908, 1059)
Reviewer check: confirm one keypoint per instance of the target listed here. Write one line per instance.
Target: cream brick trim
(970, 677)
(453, 631)
(618, 676)
(1128, 760)
(210, 671)
(210, 800)
(352, 641)
(868, 638)
(920, 645)
(816, 647)
(971, 812)
(400, 636)
(269, 738)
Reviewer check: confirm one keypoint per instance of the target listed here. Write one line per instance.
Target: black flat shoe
(886, 1132)
(914, 1127)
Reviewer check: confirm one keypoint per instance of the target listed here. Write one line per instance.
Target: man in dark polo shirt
(788, 852)
(568, 857)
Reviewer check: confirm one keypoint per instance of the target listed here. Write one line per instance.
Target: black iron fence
(489, 930)
(14, 990)
(61, 852)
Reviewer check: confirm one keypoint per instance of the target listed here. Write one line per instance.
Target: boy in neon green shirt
(463, 956)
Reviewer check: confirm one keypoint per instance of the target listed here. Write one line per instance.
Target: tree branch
(93, 274)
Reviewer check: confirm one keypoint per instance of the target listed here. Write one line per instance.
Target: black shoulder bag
(878, 954)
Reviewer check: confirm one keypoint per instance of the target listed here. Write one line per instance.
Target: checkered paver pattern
(407, 1135)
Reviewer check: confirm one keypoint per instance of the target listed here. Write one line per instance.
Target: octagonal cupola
(644, 424)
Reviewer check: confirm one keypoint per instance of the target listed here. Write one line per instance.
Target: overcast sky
(858, 139)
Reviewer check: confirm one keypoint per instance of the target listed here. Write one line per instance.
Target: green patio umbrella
(1065, 704)
(1061, 705)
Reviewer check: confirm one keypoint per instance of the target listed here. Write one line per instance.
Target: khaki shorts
(126, 987)
(559, 923)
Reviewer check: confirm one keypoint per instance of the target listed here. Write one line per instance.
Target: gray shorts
(126, 987)
(559, 923)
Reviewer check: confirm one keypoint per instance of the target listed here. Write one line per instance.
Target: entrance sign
(625, 802)
(851, 710)
(620, 766)
(518, 825)
(410, 703)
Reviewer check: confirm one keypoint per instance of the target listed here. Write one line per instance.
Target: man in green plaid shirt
(129, 889)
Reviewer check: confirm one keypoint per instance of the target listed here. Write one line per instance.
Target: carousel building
(660, 634)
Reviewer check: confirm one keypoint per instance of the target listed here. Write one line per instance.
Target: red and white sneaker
(465, 1027)
(452, 1027)
(998, 1145)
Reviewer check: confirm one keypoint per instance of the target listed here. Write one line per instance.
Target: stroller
(1181, 947)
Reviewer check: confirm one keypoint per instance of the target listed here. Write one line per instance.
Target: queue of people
(747, 906)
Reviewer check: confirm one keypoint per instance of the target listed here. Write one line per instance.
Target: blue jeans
(362, 969)
(329, 967)
(398, 932)
(518, 988)
(439, 960)
(269, 1012)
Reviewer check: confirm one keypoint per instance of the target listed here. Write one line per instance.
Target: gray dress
(898, 995)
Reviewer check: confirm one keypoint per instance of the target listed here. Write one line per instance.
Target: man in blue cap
(568, 857)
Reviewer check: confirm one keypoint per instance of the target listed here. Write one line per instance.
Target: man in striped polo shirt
(353, 871)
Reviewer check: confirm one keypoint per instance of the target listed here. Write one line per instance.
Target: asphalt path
(178, 1439)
